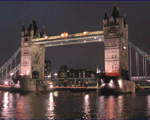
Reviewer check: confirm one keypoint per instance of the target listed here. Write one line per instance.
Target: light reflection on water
(73, 105)
(87, 107)
(148, 106)
(50, 107)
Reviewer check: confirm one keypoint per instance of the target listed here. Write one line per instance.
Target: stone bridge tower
(116, 49)
(32, 55)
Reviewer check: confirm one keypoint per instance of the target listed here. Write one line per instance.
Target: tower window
(26, 39)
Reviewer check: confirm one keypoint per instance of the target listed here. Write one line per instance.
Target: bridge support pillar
(26, 84)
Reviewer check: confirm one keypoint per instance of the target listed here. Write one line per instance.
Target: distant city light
(51, 86)
(11, 74)
(124, 47)
(6, 83)
(49, 76)
(55, 74)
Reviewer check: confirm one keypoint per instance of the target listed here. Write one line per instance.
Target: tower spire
(105, 16)
(32, 28)
(43, 32)
(124, 19)
(23, 28)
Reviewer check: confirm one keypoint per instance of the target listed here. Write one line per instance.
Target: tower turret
(38, 34)
(105, 20)
(32, 30)
(23, 31)
(43, 32)
(26, 32)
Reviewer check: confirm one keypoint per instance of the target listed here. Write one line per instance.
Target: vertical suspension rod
(2, 75)
(10, 69)
(14, 67)
(6, 73)
(143, 65)
(137, 63)
(130, 61)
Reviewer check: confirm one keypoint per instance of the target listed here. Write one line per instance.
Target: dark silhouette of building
(62, 73)
(47, 68)
(81, 73)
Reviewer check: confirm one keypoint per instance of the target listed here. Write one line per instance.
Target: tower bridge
(117, 49)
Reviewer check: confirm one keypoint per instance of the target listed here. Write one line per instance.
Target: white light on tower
(46, 37)
(6, 83)
(64, 35)
(85, 32)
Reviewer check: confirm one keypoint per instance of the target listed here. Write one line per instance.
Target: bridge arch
(35, 74)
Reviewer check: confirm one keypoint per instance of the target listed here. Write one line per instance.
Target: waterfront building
(62, 73)
(81, 73)
(47, 69)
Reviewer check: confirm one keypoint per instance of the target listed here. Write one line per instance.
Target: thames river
(74, 105)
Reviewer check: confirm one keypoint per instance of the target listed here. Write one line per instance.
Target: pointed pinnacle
(33, 18)
(115, 4)
(124, 15)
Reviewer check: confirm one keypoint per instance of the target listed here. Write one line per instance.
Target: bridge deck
(78, 38)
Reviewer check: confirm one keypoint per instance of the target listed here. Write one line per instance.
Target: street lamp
(55, 75)
(11, 74)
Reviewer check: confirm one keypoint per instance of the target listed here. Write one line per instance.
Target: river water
(74, 105)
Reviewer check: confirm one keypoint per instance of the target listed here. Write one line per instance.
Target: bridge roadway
(78, 38)
(140, 78)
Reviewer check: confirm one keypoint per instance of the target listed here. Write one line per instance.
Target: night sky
(72, 17)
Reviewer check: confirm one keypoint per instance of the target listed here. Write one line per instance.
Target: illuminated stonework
(116, 50)
(32, 56)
